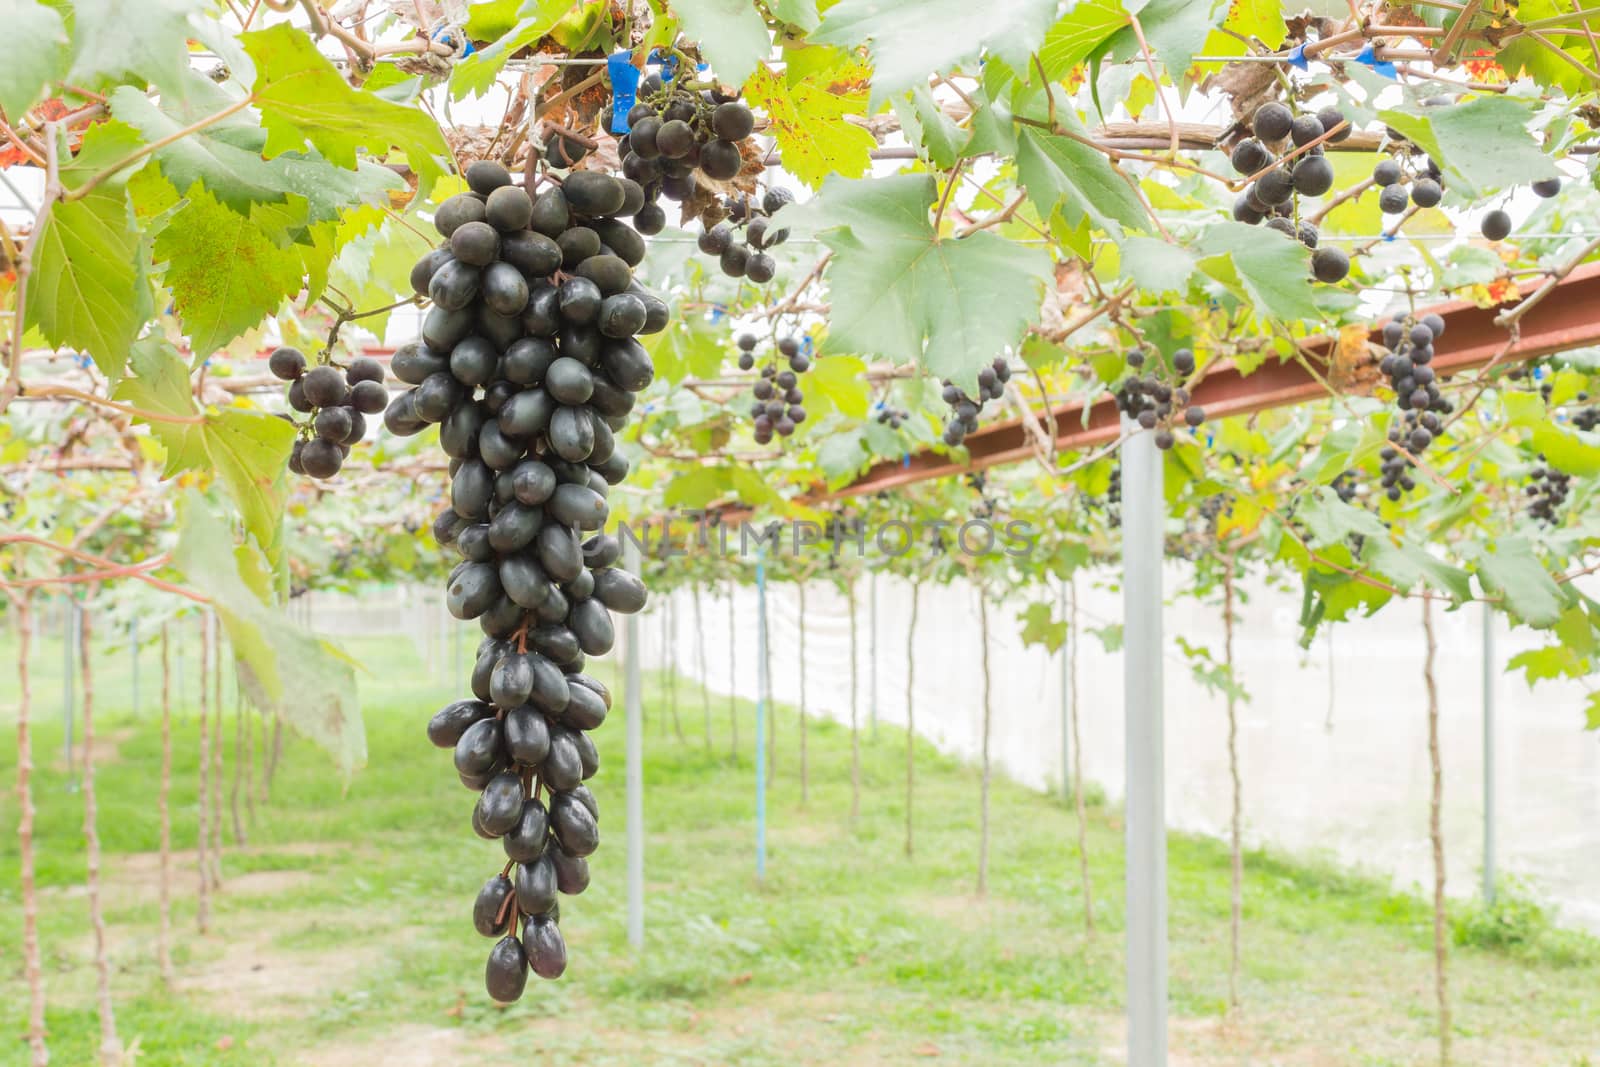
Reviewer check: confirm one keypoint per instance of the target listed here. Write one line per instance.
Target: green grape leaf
(247, 448)
(36, 54)
(1039, 627)
(130, 40)
(1513, 573)
(801, 14)
(808, 120)
(911, 38)
(475, 74)
(841, 456)
(1158, 267)
(1078, 33)
(1547, 664)
(225, 272)
(842, 381)
(87, 289)
(318, 700)
(900, 290)
(303, 98)
(925, 124)
(732, 34)
(1482, 144)
(697, 487)
(1064, 176)
(690, 347)
(1268, 270)
(227, 157)
(1175, 31)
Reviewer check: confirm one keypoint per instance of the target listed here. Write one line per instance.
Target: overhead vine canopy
(947, 214)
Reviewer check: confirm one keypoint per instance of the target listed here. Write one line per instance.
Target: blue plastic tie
(444, 37)
(624, 89)
(1369, 58)
(807, 345)
(1297, 58)
(905, 459)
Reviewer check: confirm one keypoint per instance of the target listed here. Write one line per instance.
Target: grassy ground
(342, 935)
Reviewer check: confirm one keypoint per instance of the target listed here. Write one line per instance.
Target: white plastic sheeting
(1332, 742)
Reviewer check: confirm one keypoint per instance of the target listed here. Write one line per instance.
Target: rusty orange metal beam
(1569, 318)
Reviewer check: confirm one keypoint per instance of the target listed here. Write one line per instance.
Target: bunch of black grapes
(1345, 486)
(528, 363)
(964, 410)
(1408, 354)
(779, 404)
(337, 403)
(741, 240)
(892, 417)
(1588, 417)
(1274, 197)
(1152, 402)
(1547, 491)
(985, 505)
(674, 132)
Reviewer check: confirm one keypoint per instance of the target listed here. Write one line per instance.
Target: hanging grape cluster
(675, 132)
(1406, 362)
(1152, 402)
(337, 403)
(964, 410)
(1280, 178)
(528, 364)
(740, 242)
(891, 416)
(779, 404)
(1547, 491)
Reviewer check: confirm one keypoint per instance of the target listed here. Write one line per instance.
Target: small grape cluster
(779, 401)
(1408, 342)
(985, 506)
(1588, 417)
(338, 403)
(1151, 402)
(964, 410)
(674, 132)
(740, 242)
(1345, 486)
(1274, 196)
(892, 417)
(1496, 224)
(1547, 491)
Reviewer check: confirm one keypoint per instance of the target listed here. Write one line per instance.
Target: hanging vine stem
(110, 1044)
(164, 929)
(1441, 933)
(24, 268)
(733, 674)
(39, 1053)
(215, 851)
(1077, 756)
(202, 913)
(1235, 828)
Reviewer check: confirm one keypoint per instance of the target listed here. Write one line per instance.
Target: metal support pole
(761, 713)
(872, 659)
(635, 763)
(1488, 755)
(1143, 519)
(1066, 701)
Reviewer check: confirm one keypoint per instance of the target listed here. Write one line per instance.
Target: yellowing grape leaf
(808, 120)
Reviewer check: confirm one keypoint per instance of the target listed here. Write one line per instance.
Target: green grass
(343, 934)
